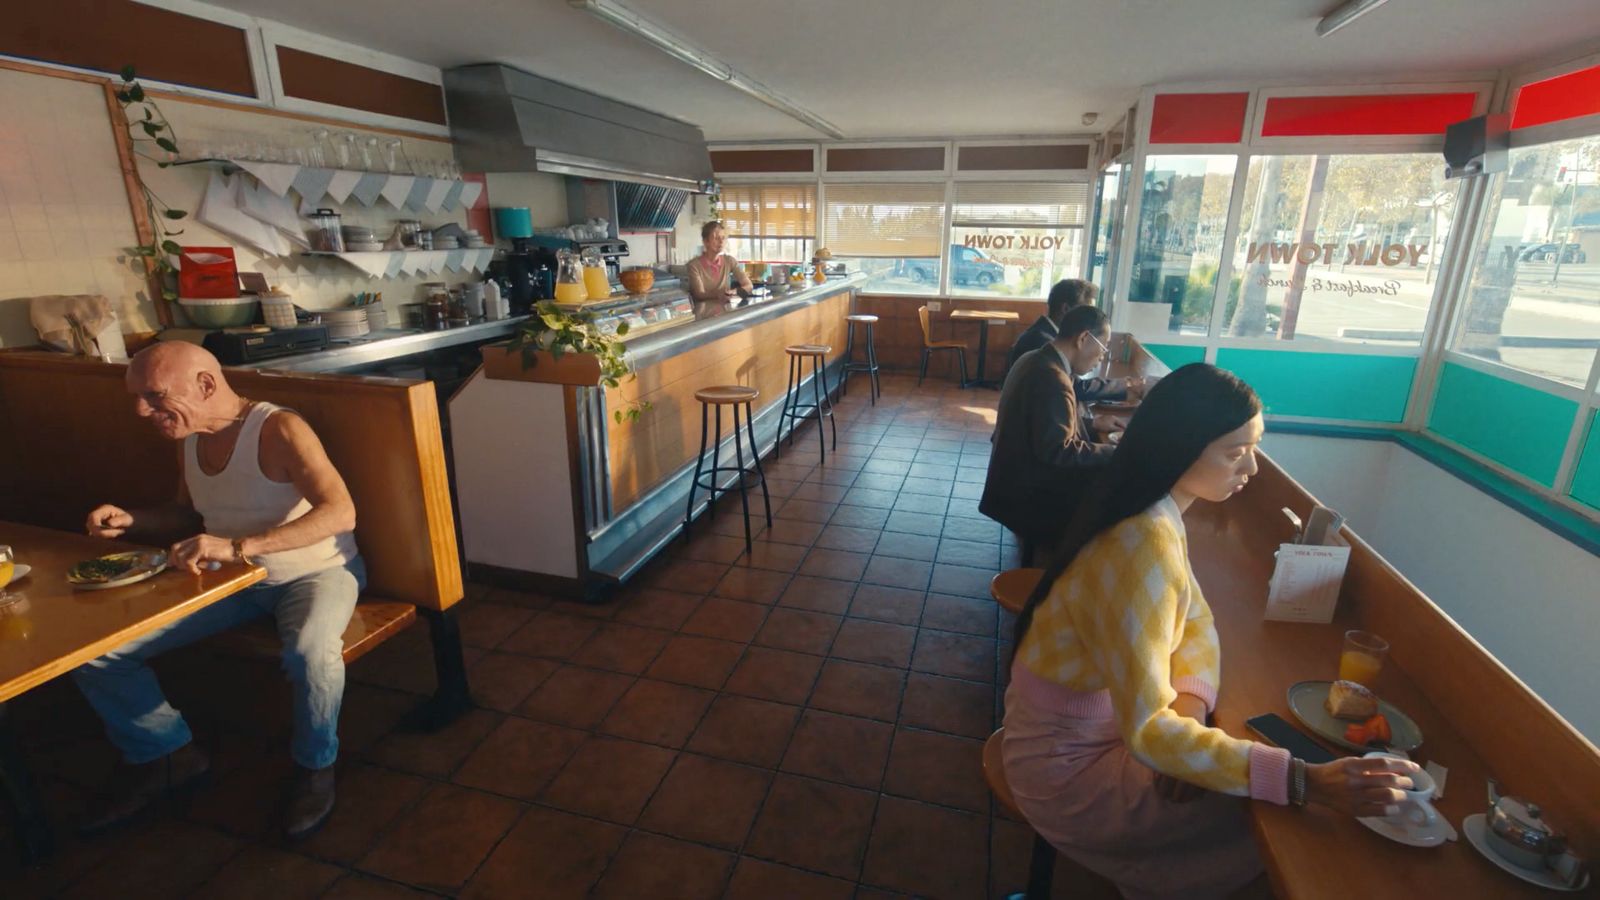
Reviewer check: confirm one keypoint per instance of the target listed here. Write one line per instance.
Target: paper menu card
(1305, 582)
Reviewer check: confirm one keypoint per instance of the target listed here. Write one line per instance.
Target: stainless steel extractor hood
(506, 120)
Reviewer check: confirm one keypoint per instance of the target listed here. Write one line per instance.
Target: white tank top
(240, 501)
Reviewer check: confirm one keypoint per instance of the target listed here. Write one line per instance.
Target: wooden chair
(930, 346)
(1012, 588)
(1042, 863)
(69, 439)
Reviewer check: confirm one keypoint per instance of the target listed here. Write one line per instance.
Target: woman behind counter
(1117, 669)
(712, 273)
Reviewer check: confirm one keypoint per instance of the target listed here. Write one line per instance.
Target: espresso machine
(526, 274)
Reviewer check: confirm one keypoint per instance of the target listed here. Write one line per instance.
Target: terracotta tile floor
(800, 721)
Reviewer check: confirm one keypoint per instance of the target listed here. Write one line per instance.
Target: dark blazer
(1043, 455)
(1089, 390)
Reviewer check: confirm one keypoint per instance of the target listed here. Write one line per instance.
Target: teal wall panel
(1351, 386)
(1176, 355)
(1522, 428)
(1586, 480)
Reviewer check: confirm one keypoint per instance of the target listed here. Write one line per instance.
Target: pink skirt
(1080, 788)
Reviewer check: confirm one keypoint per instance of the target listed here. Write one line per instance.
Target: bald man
(258, 487)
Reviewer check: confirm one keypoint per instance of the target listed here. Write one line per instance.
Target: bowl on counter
(226, 312)
(638, 280)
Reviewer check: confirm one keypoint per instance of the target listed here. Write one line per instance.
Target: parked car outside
(969, 265)
(1571, 253)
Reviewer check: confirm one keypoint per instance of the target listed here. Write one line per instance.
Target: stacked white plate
(346, 323)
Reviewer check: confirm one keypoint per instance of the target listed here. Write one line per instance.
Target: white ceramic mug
(1417, 808)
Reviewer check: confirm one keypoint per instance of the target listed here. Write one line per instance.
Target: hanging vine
(148, 127)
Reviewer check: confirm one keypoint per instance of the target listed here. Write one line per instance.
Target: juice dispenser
(569, 278)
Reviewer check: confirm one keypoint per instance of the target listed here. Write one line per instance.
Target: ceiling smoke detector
(1089, 118)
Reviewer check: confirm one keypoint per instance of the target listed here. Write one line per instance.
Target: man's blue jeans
(311, 612)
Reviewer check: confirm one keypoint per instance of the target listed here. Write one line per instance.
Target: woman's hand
(1360, 786)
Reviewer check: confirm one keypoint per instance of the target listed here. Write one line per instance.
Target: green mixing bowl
(215, 314)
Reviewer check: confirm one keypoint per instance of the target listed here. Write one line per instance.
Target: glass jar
(324, 234)
(569, 278)
(436, 311)
(410, 234)
(596, 283)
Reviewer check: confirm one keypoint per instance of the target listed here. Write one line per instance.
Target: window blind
(1020, 204)
(884, 220)
(769, 210)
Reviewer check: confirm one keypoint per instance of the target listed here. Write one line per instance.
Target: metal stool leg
(833, 424)
(716, 463)
(738, 457)
(699, 462)
(849, 355)
(755, 453)
(816, 399)
(872, 360)
(783, 414)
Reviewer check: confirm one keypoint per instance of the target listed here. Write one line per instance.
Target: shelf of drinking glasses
(401, 263)
(320, 184)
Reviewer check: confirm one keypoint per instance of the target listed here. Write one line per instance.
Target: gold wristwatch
(238, 550)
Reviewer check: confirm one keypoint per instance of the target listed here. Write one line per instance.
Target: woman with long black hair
(1117, 669)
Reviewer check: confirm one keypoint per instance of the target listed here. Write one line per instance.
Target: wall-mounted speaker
(1477, 146)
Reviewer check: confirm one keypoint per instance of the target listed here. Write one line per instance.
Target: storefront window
(1534, 301)
(889, 231)
(1107, 227)
(1339, 248)
(1183, 212)
(1013, 239)
(774, 223)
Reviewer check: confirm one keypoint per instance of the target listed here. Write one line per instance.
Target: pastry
(1348, 700)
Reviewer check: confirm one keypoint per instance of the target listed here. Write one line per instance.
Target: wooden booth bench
(70, 440)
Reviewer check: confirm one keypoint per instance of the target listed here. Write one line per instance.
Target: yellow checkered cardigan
(1123, 631)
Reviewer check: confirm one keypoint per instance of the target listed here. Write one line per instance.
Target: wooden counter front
(644, 452)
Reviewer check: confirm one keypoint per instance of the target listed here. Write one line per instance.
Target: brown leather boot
(310, 801)
(133, 789)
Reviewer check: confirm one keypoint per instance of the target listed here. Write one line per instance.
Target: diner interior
(666, 449)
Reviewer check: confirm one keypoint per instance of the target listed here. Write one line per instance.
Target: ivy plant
(559, 333)
(148, 126)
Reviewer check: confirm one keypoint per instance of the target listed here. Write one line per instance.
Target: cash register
(255, 343)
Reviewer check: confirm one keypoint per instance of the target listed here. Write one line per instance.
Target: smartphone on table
(1274, 730)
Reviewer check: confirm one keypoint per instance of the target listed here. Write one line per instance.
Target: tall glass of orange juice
(1362, 658)
(8, 567)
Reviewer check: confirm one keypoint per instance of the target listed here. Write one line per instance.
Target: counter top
(390, 343)
(713, 321)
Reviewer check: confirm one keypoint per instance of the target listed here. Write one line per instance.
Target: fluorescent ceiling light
(682, 50)
(1345, 13)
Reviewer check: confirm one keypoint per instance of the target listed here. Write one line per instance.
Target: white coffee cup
(1417, 808)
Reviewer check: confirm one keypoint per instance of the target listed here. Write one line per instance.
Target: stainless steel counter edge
(652, 348)
(381, 347)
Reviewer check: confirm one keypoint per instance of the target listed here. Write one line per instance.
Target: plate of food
(1353, 717)
(116, 569)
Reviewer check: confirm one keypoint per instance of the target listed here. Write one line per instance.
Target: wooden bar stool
(1012, 588)
(1042, 863)
(734, 395)
(821, 405)
(870, 367)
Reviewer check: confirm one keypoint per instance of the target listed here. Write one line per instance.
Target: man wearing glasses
(1044, 452)
(1066, 295)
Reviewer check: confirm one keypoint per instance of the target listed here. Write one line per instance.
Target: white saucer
(1476, 826)
(20, 571)
(1408, 834)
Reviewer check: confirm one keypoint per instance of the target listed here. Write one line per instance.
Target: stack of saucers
(346, 323)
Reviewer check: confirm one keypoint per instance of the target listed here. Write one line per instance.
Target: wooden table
(1315, 852)
(983, 317)
(53, 628)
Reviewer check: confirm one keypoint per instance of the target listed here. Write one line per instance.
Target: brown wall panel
(885, 159)
(724, 162)
(106, 35)
(898, 333)
(1043, 156)
(326, 80)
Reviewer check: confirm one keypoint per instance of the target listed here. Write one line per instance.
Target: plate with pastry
(116, 570)
(1352, 717)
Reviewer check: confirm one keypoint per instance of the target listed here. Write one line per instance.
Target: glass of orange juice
(1362, 658)
(8, 566)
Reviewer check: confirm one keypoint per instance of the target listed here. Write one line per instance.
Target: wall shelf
(400, 263)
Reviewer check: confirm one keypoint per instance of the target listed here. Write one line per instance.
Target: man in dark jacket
(1068, 294)
(1044, 453)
